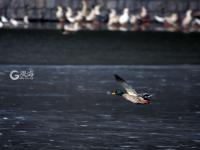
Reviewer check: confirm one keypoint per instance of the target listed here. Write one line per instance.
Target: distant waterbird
(79, 17)
(60, 14)
(113, 18)
(1, 24)
(172, 19)
(93, 13)
(84, 8)
(124, 18)
(159, 19)
(14, 22)
(133, 19)
(4, 19)
(26, 20)
(196, 21)
(143, 17)
(69, 15)
(143, 12)
(68, 28)
(169, 22)
(187, 19)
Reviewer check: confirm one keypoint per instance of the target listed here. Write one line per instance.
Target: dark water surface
(98, 47)
(66, 107)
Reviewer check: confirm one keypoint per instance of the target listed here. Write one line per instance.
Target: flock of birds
(12, 22)
(92, 19)
(84, 18)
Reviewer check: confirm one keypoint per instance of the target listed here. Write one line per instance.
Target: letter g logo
(14, 75)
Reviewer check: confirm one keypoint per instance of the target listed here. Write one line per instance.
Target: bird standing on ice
(26, 20)
(14, 22)
(187, 19)
(196, 22)
(143, 15)
(93, 14)
(84, 8)
(124, 18)
(169, 22)
(69, 28)
(113, 18)
(60, 14)
(133, 19)
(172, 20)
(69, 15)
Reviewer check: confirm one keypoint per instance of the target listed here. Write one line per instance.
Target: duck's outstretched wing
(125, 85)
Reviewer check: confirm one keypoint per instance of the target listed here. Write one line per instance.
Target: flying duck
(130, 94)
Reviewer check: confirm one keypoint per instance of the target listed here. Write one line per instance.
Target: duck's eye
(146, 96)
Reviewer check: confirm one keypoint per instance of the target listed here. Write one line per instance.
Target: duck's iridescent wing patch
(125, 85)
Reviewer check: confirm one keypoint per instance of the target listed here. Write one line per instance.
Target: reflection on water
(66, 107)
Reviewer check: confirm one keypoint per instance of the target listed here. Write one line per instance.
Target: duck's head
(59, 8)
(97, 10)
(143, 12)
(117, 92)
(189, 12)
(84, 2)
(112, 12)
(126, 11)
(147, 97)
(174, 17)
(68, 8)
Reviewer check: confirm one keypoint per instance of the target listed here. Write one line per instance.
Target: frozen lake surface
(66, 107)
